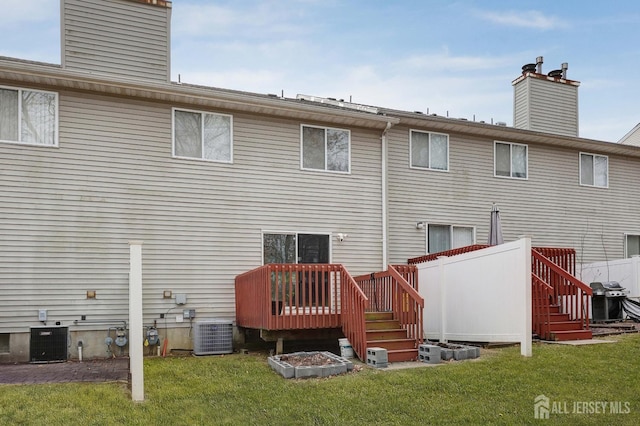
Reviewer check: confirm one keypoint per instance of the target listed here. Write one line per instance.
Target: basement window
(202, 135)
(325, 149)
(4, 343)
(594, 170)
(429, 150)
(28, 117)
(511, 160)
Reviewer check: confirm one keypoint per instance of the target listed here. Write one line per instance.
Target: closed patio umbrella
(495, 227)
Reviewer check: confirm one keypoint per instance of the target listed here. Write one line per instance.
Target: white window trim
(57, 117)
(426, 236)
(594, 177)
(411, 166)
(325, 170)
(296, 233)
(173, 135)
(495, 158)
(627, 234)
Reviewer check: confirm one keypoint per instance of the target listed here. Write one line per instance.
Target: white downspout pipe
(383, 166)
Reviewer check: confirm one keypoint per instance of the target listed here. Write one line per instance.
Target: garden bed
(309, 364)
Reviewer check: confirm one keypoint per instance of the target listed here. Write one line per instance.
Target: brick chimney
(545, 102)
(121, 38)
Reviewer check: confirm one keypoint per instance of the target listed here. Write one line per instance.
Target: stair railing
(354, 302)
(541, 293)
(389, 291)
(571, 294)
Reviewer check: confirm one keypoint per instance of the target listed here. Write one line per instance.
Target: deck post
(136, 338)
(279, 346)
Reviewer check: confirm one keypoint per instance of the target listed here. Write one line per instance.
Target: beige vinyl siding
(550, 205)
(633, 137)
(69, 212)
(521, 105)
(116, 37)
(546, 106)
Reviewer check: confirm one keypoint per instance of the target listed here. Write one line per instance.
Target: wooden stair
(385, 332)
(563, 328)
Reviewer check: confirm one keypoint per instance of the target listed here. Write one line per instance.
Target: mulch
(99, 370)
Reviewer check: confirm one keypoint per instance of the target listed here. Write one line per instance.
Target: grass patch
(499, 388)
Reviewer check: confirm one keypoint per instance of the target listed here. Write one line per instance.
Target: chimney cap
(528, 68)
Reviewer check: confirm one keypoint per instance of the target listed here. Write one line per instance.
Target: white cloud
(262, 20)
(18, 12)
(526, 19)
(444, 61)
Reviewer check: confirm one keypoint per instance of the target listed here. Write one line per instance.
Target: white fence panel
(482, 296)
(625, 271)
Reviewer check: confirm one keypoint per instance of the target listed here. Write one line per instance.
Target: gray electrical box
(181, 299)
(42, 315)
(189, 313)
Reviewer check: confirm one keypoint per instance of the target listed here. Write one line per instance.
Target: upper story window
(28, 116)
(511, 160)
(202, 135)
(594, 170)
(326, 149)
(429, 150)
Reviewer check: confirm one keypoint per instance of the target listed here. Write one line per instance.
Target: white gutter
(383, 165)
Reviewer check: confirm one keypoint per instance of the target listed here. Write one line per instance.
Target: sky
(451, 58)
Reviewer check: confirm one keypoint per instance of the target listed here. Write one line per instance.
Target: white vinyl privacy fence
(481, 296)
(625, 271)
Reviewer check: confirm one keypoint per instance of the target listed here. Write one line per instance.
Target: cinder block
(430, 354)
(284, 369)
(340, 359)
(452, 351)
(377, 357)
(446, 354)
(473, 352)
(461, 353)
(378, 354)
(373, 363)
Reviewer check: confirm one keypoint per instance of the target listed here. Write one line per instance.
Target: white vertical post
(443, 299)
(526, 340)
(136, 365)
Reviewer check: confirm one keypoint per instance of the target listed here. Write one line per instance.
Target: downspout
(383, 165)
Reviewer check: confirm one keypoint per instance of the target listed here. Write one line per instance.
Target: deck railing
(389, 291)
(571, 294)
(541, 293)
(289, 297)
(409, 273)
(447, 253)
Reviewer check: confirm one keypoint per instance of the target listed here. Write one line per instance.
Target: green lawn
(498, 388)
